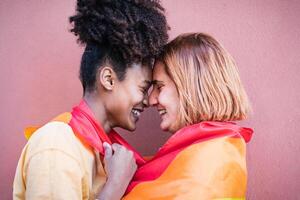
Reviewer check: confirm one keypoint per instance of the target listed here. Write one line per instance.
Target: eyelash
(159, 87)
(144, 91)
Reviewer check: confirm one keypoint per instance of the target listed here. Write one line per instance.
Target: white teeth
(136, 113)
(162, 112)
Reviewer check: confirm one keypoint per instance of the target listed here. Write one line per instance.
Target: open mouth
(136, 112)
(162, 112)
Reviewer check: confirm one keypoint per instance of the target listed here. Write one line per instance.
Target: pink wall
(39, 62)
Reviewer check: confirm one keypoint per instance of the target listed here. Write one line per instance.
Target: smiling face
(164, 97)
(130, 97)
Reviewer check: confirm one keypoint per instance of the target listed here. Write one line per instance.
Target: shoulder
(52, 133)
(216, 163)
(54, 136)
(204, 159)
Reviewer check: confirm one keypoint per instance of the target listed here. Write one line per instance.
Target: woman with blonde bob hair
(198, 94)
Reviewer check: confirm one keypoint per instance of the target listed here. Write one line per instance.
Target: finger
(130, 153)
(107, 150)
(116, 147)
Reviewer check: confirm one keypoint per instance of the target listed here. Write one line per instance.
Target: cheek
(163, 99)
(128, 96)
(132, 94)
(121, 101)
(174, 105)
(168, 98)
(135, 97)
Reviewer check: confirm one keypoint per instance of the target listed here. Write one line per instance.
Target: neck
(98, 109)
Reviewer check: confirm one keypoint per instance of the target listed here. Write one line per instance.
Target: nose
(145, 101)
(153, 98)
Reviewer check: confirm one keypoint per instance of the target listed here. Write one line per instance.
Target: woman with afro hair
(78, 155)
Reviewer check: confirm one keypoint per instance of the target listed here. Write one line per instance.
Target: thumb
(107, 150)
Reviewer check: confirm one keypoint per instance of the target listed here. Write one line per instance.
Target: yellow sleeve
(52, 174)
(50, 166)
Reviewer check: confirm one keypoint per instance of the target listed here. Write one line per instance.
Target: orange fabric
(180, 141)
(212, 169)
(29, 131)
(64, 117)
(147, 158)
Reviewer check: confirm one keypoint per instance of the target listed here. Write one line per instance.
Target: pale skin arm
(120, 167)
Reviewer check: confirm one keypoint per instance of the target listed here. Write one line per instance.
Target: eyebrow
(155, 82)
(148, 83)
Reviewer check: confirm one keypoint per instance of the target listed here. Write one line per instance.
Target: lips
(162, 112)
(136, 112)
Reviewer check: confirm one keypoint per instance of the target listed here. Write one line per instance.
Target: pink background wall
(39, 63)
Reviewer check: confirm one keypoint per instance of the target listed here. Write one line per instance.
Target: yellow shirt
(55, 164)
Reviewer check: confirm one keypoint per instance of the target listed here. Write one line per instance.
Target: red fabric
(87, 128)
(183, 138)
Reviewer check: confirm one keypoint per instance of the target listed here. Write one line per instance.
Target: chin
(164, 127)
(127, 127)
(130, 126)
(168, 128)
(131, 129)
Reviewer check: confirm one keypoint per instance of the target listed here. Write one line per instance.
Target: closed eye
(158, 84)
(159, 87)
(144, 90)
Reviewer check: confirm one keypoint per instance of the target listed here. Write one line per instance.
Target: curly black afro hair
(119, 31)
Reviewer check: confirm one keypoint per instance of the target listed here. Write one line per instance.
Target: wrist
(112, 190)
(116, 183)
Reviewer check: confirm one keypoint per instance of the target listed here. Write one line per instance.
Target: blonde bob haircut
(206, 79)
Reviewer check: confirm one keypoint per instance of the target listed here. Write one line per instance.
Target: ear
(107, 78)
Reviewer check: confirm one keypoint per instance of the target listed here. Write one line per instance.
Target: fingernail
(105, 144)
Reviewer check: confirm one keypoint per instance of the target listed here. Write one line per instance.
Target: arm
(52, 174)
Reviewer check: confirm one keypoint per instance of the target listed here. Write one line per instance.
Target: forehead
(139, 72)
(159, 72)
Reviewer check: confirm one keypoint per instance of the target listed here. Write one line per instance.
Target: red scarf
(87, 128)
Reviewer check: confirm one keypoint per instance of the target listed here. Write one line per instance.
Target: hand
(120, 165)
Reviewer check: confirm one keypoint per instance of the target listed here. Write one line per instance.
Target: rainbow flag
(201, 161)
